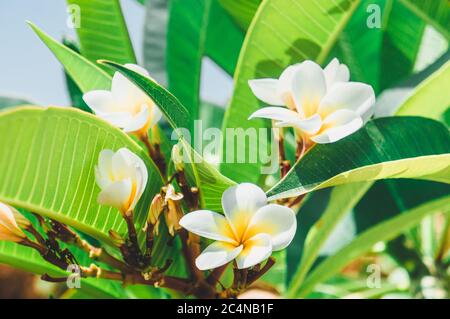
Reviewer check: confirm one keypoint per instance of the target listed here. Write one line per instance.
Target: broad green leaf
(433, 12)
(343, 199)
(392, 147)
(49, 168)
(223, 39)
(402, 37)
(102, 32)
(75, 93)
(431, 98)
(360, 47)
(186, 36)
(27, 259)
(281, 33)
(399, 196)
(241, 10)
(206, 30)
(210, 182)
(85, 74)
(363, 243)
(198, 28)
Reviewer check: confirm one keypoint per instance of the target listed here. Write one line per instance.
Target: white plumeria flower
(122, 177)
(126, 105)
(249, 232)
(9, 230)
(321, 103)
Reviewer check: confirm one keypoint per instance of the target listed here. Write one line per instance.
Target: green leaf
(241, 10)
(431, 98)
(197, 28)
(102, 32)
(393, 147)
(402, 37)
(360, 47)
(49, 168)
(281, 33)
(85, 74)
(75, 93)
(363, 243)
(343, 199)
(223, 39)
(433, 12)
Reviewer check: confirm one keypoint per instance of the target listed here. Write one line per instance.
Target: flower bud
(177, 157)
(122, 177)
(156, 208)
(21, 220)
(174, 212)
(9, 229)
(116, 238)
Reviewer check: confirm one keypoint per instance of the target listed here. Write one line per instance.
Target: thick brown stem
(133, 244)
(189, 196)
(156, 155)
(189, 255)
(261, 273)
(215, 275)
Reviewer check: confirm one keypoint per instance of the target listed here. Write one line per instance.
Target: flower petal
(208, 224)
(100, 101)
(288, 118)
(217, 254)
(139, 121)
(104, 168)
(279, 222)
(256, 249)
(118, 119)
(339, 125)
(336, 72)
(240, 202)
(285, 84)
(117, 194)
(308, 87)
(355, 96)
(266, 91)
(155, 115)
(125, 92)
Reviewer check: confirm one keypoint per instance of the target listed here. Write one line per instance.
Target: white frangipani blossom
(122, 177)
(125, 106)
(9, 229)
(249, 232)
(322, 104)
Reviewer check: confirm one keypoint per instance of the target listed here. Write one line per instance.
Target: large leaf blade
(396, 147)
(382, 232)
(281, 33)
(86, 75)
(50, 167)
(103, 32)
(431, 98)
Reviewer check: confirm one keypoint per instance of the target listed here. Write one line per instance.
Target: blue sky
(29, 70)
